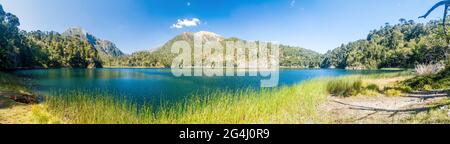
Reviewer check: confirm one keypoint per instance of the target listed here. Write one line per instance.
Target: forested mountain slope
(402, 45)
(38, 49)
(104, 47)
(162, 56)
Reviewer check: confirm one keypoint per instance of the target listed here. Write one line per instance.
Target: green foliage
(141, 59)
(56, 50)
(403, 45)
(296, 104)
(427, 88)
(11, 83)
(419, 82)
(345, 86)
(299, 57)
(367, 92)
(10, 40)
(373, 87)
(437, 114)
(393, 92)
(437, 81)
(19, 49)
(406, 89)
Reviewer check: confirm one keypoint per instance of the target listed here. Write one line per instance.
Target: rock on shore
(19, 97)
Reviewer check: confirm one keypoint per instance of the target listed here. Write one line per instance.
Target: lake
(155, 85)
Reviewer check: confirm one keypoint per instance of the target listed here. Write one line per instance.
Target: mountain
(104, 47)
(162, 56)
(37, 49)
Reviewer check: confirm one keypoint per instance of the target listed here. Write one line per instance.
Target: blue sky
(136, 25)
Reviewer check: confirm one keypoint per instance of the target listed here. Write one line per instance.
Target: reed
(295, 104)
(345, 86)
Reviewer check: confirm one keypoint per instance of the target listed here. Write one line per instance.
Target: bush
(347, 86)
(393, 92)
(427, 88)
(406, 89)
(373, 87)
(436, 81)
(368, 92)
(428, 69)
(419, 82)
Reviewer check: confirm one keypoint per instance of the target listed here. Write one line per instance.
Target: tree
(402, 45)
(10, 40)
(446, 4)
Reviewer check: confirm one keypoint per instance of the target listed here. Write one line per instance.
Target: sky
(136, 25)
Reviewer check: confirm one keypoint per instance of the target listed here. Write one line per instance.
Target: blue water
(158, 84)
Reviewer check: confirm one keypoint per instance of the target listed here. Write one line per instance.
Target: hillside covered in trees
(37, 49)
(295, 57)
(403, 45)
(105, 48)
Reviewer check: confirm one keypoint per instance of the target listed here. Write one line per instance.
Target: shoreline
(269, 107)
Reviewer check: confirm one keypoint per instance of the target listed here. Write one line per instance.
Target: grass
(440, 80)
(437, 115)
(345, 86)
(11, 83)
(293, 104)
(12, 112)
(285, 105)
(41, 116)
(393, 92)
(296, 104)
(370, 85)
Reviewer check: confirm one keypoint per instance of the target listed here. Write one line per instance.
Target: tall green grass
(345, 86)
(394, 73)
(360, 84)
(296, 104)
(285, 105)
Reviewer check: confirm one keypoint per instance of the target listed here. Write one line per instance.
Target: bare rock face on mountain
(104, 47)
(207, 36)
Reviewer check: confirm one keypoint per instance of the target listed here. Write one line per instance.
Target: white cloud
(293, 3)
(181, 23)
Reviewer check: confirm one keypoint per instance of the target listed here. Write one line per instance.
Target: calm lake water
(157, 84)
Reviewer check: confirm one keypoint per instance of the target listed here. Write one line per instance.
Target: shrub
(440, 80)
(373, 87)
(428, 69)
(347, 86)
(419, 82)
(406, 89)
(368, 92)
(427, 88)
(393, 92)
